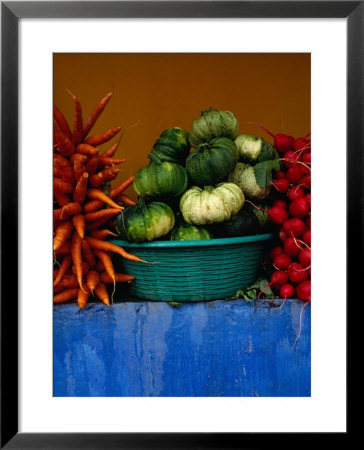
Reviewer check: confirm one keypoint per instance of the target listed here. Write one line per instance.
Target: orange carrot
(107, 161)
(92, 205)
(102, 293)
(119, 278)
(96, 194)
(110, 173)
(65, 264)
(109, 153)
(92, 280)
(97, 244)
(79, 223)
(68, 281)
(102, 214)
(77, 122)
(66, 295)
(100, 138)
(107, 262)
(79, 193)
(62, 122)
(121, 188)
(63, 143)
(88, 255)
(96, 224)
(91, 120)
(77, 256)
(102, 234)
(65, 249)
(61, 199)
(87, 149)
(84, 266)
(64, 167)
(78, 161)
(63, 232)
(67, 211)
(97, 179)
(92, 165)
(100, 266)
(82, 296)
(61, 186)
(123, 198)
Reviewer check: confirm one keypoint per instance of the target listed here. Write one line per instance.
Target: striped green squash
(189, 233)
(212, 162)
(172, 145)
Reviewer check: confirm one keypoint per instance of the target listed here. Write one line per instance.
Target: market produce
(212, 161)
(145, 222)
(172, 145)
(84, 206)
(201, 206)
(244, 223)
(253, 149)
(160, 178)
(189, 232)
(213, 123)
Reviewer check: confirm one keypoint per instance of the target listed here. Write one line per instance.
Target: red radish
(290, 159)
(281, 185)
(299, 207)
(291, 247)
(286, 291)
(308, 222)
(277, 278)
(308, 198)
(282, 142)
(277, 215)
(294, 174)
(301, 144)
(294, 226)
(306, 182)
(279, 174)
(297, 273)
(282, 235)
(276, 251)
(280, 204)
(282, 261)
(295, 192)
(303, 290)
(304, 257)
(306, 237)
(306, 158)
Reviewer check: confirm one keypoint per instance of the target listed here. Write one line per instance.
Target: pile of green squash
(196, 184)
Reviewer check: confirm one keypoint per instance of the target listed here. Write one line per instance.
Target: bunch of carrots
(84, 208)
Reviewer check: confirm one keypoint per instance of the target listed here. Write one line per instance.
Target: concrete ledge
(220, 348)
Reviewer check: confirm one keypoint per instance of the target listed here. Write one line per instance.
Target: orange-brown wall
(152, 92)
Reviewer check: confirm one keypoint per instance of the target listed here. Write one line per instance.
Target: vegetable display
(85, 207)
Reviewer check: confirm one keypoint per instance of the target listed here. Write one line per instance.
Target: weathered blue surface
(220, 348)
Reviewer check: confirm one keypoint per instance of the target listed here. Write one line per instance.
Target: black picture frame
(11, 12)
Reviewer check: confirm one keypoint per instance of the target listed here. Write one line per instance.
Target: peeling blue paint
(219, 348)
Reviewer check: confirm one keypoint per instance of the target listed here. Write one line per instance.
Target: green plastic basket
(188, 271)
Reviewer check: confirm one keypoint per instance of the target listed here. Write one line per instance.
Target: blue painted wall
(220, 348)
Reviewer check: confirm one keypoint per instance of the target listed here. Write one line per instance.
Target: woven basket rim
(194, 243)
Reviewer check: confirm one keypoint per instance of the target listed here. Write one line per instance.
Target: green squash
(244, 176)
(253, 149)
(172, 145)
(213, 123)
(145, 222)
(212, 162)
(245, 223)
(160, 178)
(211, 204)
(189, 233)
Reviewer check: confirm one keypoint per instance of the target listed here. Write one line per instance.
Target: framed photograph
(281, 67)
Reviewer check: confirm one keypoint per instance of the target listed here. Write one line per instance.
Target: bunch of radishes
(291, 211)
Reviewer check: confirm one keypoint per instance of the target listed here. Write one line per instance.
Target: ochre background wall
(152, 92)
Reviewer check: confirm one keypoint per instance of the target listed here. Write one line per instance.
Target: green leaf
(263, 171)
(175, 304)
